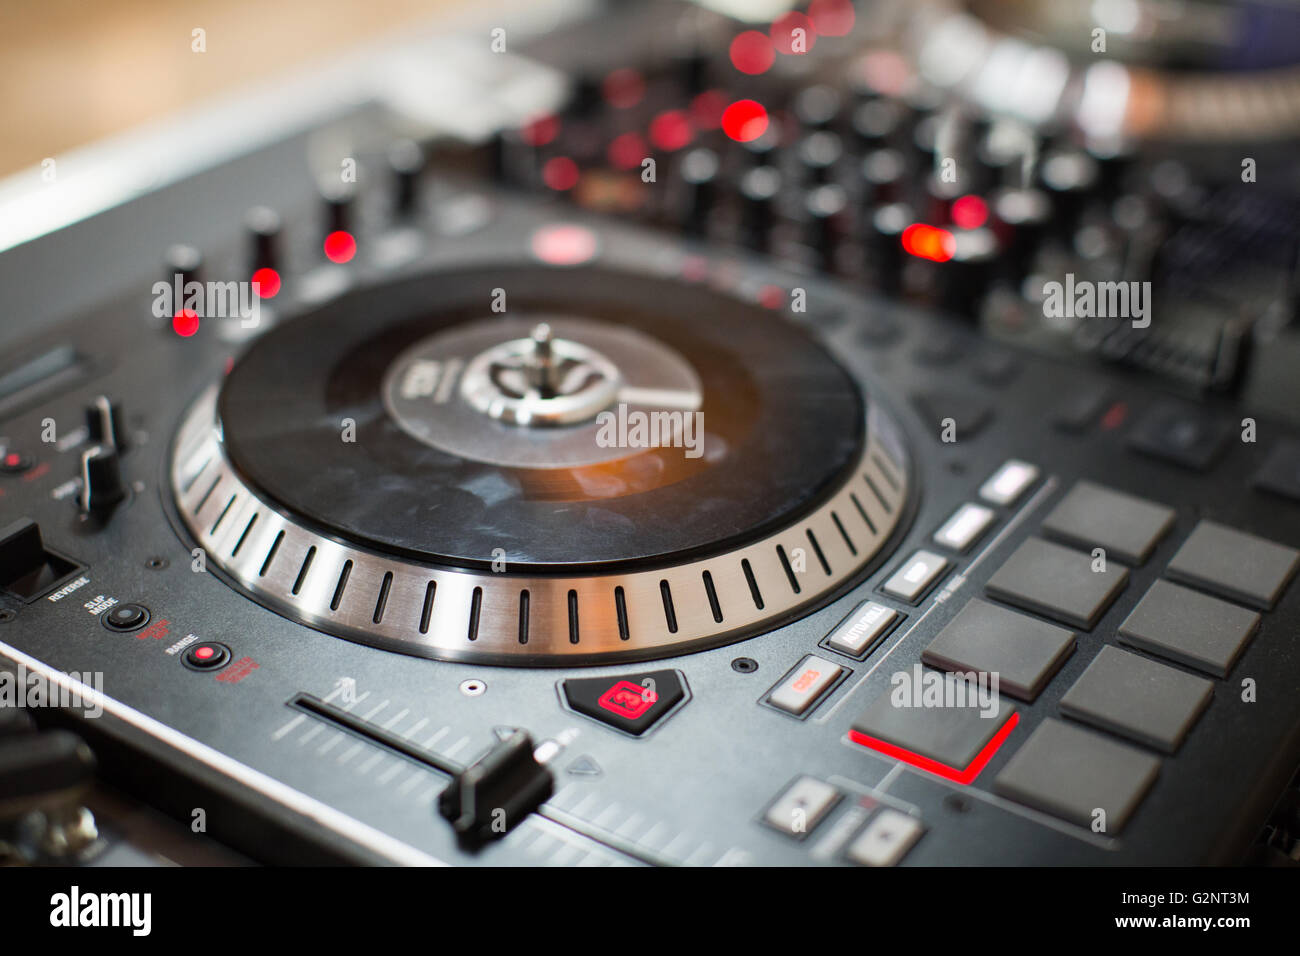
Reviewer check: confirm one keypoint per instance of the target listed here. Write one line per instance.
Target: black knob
(489, 797)
(699, 172)
(105, 423)
(101, 481)
(884, 244)
(758, 191)
(884, 177)
(965, 277)
(406, 160)
(819, 153)
(817, 107)
(264, 227)
(825, 210)
(182, 260)
(875, 123)
(339, 201)
(1020, 217)
(1069, 177)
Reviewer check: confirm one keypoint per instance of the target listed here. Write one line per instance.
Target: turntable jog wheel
(618, 467)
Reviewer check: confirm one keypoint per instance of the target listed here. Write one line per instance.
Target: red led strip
(965, 776)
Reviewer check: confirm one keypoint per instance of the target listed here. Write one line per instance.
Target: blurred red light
(266, 283)
(969, 212)
(744, 120)
(671, 130)
(929, 242)
(623, 88)
(752, 52)
(560, 173)
(340, 246)
(794, 33)
(832, 18)
(540, 131)
(185, 323)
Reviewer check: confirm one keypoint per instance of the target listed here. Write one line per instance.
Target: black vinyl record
(781, 422)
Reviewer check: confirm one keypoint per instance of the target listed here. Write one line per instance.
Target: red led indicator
(623, 88)
(671, 130)
(752, 52)
(266, 283)
(744, 120)
(204, 653)
(706, 109)
(794, 34)
(628, 700)
(969, 212)
(832, 18)
(540, 131)
(12, 459)
(185, 323)
(771, 296)
(963, 775)
(929, 242)
(627, 151)
(560, 173)
(340, 246)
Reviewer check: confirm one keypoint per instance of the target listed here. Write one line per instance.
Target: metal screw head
(472, 687)
(744, 665)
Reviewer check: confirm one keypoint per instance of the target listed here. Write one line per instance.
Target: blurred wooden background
(74, 71)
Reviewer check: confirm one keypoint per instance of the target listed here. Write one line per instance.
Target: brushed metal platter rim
(465, 615)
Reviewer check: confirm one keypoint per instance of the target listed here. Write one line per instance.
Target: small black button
(14, 462)
(1180, 435)
(208, 656)
(1281, 472)
(125, 617)
(1080, 409)
(969, 414)
(632, 703)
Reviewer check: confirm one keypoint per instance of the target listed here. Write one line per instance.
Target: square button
(1073, 773)
(916, 577)
(1093, 516)
(886, 839)
(1009, 482)
(1137, 698)
(966, 526)
(1280, 474)
(1022, 651)
(859, 632)
(800, 688)
(1235, 565)
(1189, 627)
(1059, 582)
(952, 729)
(802, 806)
(1180, 434)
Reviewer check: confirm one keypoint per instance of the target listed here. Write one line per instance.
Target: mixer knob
(699, 171)
(183, 260)
(875, 123)
(825, 209)
(819, 153)
(406, 160)
(1069, 176)
(105, 424)
(884, 246)
(101, 481)
(816, 107)
(340, 200)
(966, 275)
(263, 225)
(884, 177)
(758, 191)
(1020, 217)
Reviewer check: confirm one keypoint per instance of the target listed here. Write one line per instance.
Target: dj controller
(867, 436)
